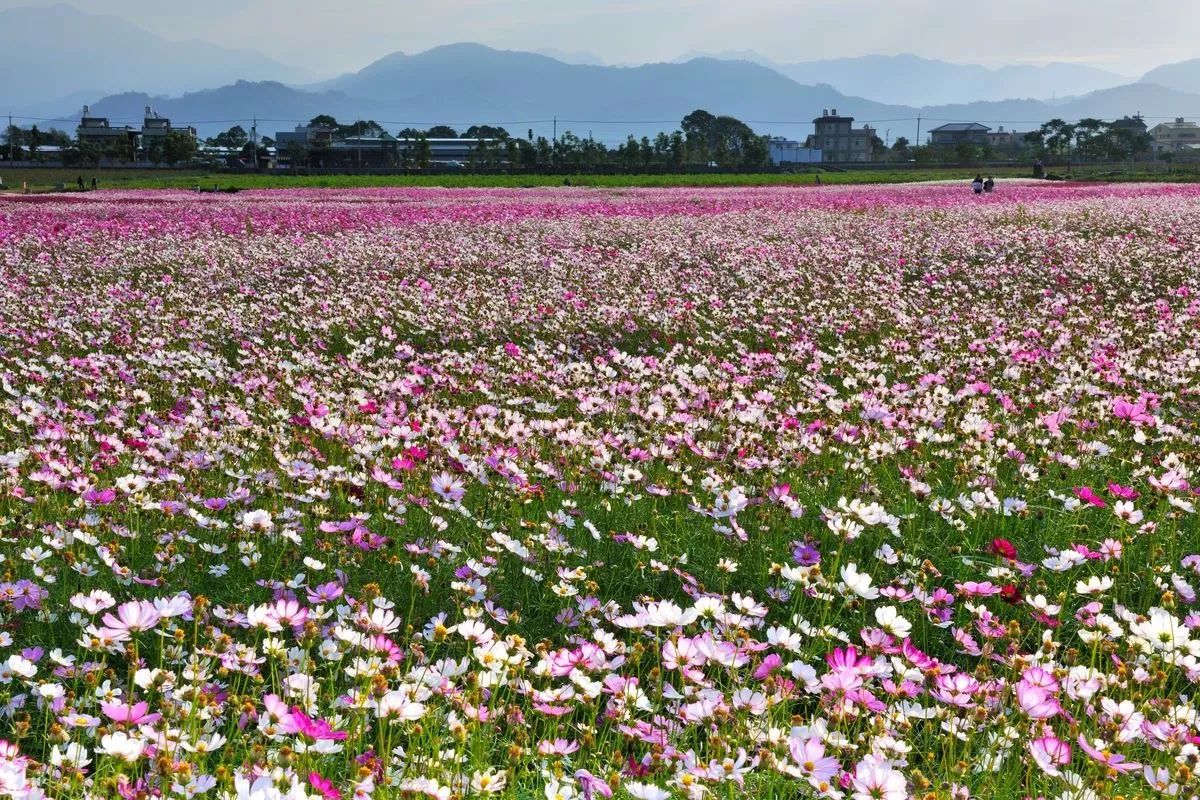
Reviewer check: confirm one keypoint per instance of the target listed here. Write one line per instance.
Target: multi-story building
(838, 140)
(97, 131)
(954, 133)
(1002, 139)
(156, 128)
(1170, 137)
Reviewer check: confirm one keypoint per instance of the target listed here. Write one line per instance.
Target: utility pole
(918, 130)
(9, 134)
(555, 130)
(254, 141)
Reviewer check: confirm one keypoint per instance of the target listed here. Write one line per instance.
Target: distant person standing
(79, 181)
(977, 184)
(818, 180)
(1039, 169)
(93, 182)
(989, 185)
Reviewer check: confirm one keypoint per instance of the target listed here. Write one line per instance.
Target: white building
(787, 151)
(1171, 137)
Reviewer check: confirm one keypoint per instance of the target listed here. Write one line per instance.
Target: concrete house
(97, 131)
(156, 127)
(1172, 137)
(838, 140)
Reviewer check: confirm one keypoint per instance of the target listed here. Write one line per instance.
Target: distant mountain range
(62, 52)
(1183, 76)
(59, 57)
(911, 80)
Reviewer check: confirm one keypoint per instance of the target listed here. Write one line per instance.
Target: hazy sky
(333, 36)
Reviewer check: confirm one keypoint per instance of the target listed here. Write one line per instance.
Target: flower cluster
(839, 493)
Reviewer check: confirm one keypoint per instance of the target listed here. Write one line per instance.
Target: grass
(46, 178)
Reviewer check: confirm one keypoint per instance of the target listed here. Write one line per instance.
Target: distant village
(702, 139)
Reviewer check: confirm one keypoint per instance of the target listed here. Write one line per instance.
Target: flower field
(850, 493)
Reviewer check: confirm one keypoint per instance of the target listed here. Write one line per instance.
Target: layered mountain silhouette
(67, 58)
(466, 84)
(911, 80)
(58, 56)
(1182, 76)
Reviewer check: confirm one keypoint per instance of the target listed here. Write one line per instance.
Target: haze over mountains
(59, 57)
(910, 80)
(67, 57)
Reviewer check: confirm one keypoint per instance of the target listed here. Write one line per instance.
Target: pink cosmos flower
(1135, 413)
(135, 714)
(557, 747)
(811, 761)
(874, 779)
(315, 729)
(1036, 702)
(132, 617)
(956, 690)
(1050, 753)
(590, 785)
(1103, 755)
(324, 786)
(1086, 494)
(1123, 492)
(99, 497)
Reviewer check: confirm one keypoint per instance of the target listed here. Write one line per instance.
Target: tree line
(702, 138)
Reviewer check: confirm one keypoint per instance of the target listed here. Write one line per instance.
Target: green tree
(154, 151)
(1091, 136)
(878, 148)
(678, 148)
(178, 147)
(297, 155)
(423, 152)
(14, 137)
(966, 153)
(544, 153)
(234, 138)
(89, 154)
(700, 129)
(756, 154)
(1120, 144)
(1057, 136)
(485, 132)
(441, 132)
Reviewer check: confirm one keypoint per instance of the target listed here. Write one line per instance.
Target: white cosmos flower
(1124, 509)
(16, 667)
(858, 582)
(890, 620)
(1162, 632)
(399, 706)
(122, 746)
(1094, 585)
(645, 791)
(257, 520)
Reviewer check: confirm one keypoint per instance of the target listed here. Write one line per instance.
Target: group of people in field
(979, 185)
